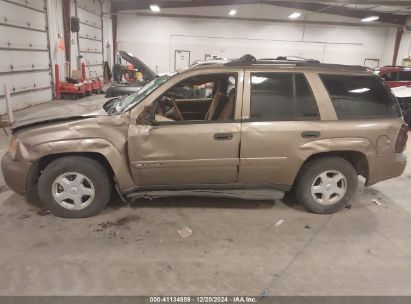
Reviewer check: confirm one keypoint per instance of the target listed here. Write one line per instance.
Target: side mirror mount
(407, 117)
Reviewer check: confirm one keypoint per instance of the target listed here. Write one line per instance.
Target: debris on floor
(43, 212)
(279, 222)
(348, 206)
(185, 232)
(25, 216)
(376, 202)
(119, 223)
(307, 226)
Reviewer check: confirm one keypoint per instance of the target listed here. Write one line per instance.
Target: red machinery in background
(73, 88)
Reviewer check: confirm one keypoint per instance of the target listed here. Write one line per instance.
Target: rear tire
(74, 187)
(326, 185)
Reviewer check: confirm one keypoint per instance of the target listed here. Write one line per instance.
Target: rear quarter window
(404, 76)
(356, 96)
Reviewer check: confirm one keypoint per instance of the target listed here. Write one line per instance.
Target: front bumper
(385, 166)
(16, 173)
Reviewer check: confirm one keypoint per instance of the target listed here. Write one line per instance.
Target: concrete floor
(235, 248)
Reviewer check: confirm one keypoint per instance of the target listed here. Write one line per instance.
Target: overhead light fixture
(294, 15)
(154, 8)
(232, 12)
(370, 18)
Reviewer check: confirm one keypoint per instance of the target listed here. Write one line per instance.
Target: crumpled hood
(62, 110)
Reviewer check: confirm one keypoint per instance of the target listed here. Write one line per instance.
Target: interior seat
(228, 110)
(213, 106)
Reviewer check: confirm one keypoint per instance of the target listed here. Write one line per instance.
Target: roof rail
(290, 58)
(395, 66)
(249, 60)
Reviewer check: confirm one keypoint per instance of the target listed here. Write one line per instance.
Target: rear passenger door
(280, 114)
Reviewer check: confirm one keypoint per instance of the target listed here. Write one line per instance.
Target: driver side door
(187, 153)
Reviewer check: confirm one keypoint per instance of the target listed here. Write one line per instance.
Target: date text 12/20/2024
(203, 299)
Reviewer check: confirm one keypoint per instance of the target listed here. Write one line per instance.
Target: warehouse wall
(25, 59)
(38, 29)
(405, 48)
(154, 40)
(107, 33)
(56, 33)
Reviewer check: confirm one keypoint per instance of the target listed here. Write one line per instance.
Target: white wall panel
(26, 100)
(107, 33)
(21, 16)
(18, 83)
(231, 38)
(91, 36)
(24, 51)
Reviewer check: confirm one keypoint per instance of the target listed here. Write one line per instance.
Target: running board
(261, 194)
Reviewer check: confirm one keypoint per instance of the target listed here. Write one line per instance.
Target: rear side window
(281, 97)
(360, 97)
(389, 76)
(404, 76)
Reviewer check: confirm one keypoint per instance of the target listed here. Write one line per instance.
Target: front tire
(326, 185)
(74, 187)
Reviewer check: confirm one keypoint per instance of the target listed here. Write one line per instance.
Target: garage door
(24, 52)
(90, 36)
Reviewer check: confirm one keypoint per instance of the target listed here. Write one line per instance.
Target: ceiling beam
(287, 21)
(145, 4)
(338, 10)
(359, 2)
(307, 5)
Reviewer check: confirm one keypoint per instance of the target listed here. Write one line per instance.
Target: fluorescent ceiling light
(232, 12)
(154, 8)
(362, 90)
(294, 15)
(370, 18)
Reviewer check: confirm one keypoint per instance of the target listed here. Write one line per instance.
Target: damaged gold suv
(216, 128)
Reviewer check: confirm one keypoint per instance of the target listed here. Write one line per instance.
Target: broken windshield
(130, 101)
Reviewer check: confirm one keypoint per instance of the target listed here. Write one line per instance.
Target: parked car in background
(395, 76)
(124, 87)
(272, 125)
(403, 95)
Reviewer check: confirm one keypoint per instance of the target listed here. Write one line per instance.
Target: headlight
(13, 147)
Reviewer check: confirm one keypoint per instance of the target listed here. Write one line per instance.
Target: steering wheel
(176, 109)
(167, 103)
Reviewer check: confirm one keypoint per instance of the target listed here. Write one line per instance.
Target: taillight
(402, 138)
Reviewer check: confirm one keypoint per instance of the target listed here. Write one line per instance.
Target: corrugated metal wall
(31, 31)
(25, 64)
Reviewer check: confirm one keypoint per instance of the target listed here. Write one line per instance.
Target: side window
(390, 76)
(281, 97)
(360, 96)
(404, 76)
(199, 98)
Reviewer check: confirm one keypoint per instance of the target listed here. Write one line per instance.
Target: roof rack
(290, 58)
(395, 66)
(249, 60)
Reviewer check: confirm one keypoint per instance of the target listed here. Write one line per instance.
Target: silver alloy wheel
(73, 191)
(329, 187)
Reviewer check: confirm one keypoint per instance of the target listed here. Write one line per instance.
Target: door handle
(310, 134)
(223, 136)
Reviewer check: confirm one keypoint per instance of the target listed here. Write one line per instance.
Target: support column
(397, 44)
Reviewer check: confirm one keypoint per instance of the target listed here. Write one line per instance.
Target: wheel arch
(356, 158)
(115, 161)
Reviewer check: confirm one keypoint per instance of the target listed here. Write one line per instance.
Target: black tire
(86, 166)
(308, 175)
